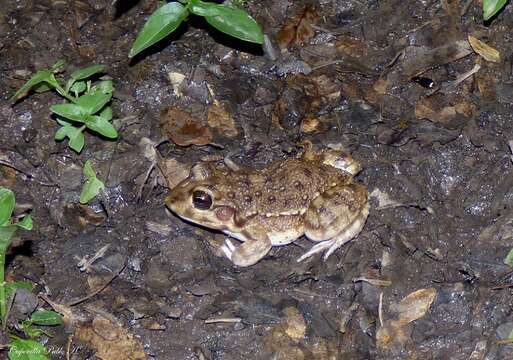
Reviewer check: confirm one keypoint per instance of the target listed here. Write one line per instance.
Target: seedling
(92, 186)
(19, 348)
(225, 18)
(87, 102)
(7, 230)
(492, 7)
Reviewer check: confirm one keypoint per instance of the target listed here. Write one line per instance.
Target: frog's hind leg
(335, 217)
(249, 252)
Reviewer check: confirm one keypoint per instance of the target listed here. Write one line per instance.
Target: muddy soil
(388, 81)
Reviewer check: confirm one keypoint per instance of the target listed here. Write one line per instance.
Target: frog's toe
(337, 241)
(228, 248)
(316, 249)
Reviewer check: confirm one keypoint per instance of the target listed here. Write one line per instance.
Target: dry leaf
(485, 51)
(181, 128)
(110, 340)
(298, 29)
(414, 305)
(219, 119)
(310, 124)
(395, 333)
(174, 172)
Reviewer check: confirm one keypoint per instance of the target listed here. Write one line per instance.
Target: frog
(312, 194)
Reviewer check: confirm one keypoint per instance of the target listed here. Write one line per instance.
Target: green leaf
(23, 349)
(58, 64)
(106, 113)
(77, 141)
(93, 102)
(105, 86)
(28, 328)
(10, 287)
(88, 170)
(237, 23)
(75, 136)
(69, 111)
(102, 126)
(508, 260)
(201, 8)
(7, 201)
(26, 223)
(87, 72)
(160, 24)
(6, 234)
(37, 78)
(78, 87)
(46, 317)
(92, 186)
(492, 7)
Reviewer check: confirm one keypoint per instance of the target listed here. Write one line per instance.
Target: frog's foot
(343, 237)
(248, 253)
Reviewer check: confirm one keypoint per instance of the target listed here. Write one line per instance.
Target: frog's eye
(201, 200)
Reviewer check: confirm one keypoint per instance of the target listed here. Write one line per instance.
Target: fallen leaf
(110, 340)
(298, 29)
(395, 333)
(221, 120)
(182, 129)
(310, 124)
(414, 305)
(174, 171)
(485, 51)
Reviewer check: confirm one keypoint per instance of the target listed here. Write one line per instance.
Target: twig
(100, 289)
(223, 320)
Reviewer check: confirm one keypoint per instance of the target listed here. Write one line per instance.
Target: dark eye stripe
(201, 200)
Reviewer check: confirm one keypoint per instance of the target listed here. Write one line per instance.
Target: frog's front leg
(335, 217)
(250, 251)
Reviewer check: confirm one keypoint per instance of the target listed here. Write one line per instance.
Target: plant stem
(3, 302)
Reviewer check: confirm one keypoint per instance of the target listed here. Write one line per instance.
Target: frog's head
(199, 199)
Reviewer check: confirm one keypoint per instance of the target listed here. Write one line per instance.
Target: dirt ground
(393, 82)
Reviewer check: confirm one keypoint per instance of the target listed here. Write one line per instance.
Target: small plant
(7, 230)
(19, 348)
(228, 19)
(92, 186)
(492, 7)
(87, 102)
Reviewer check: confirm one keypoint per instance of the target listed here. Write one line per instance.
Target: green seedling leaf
(69, 111)
(6, 234)
(492, 7)
(25, 223)
(105, 86)
(23, 349)
(28, 328)
(57, 66)
(75, 136)
(10, 287)
(237, 23)
(106, 113)
(46, 317)
(7, 201)
(201, 8)
(160, 24)
(92, 187)
(39, 77)
(87, 72)
(92, 102)
(508, 260)
(78, 87)
(101, 126)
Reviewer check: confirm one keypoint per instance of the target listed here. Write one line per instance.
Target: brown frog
(312, 195)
